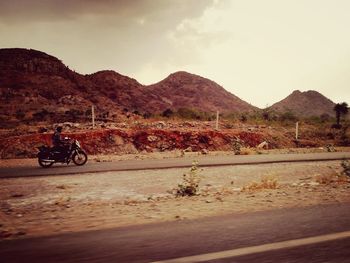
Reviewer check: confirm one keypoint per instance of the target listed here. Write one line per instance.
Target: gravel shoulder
(59, 204)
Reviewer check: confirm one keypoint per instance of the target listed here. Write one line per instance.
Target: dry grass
(332, 178)
(266, 182)
(247, 151)
(62, 186)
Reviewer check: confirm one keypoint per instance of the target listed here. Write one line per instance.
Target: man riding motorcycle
(56, 137)
(59, 144)
(64, 150)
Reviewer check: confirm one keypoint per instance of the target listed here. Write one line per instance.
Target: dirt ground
(68, 203)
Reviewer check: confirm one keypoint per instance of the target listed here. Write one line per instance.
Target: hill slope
(182, 89)
(306, 104)
(37, 86)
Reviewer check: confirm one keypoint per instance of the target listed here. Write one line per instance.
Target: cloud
(187, 44)
(92, 35)
(122, 11)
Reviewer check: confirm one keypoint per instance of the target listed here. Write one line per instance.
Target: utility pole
(217, 121)
(93, 116)
(296, 130)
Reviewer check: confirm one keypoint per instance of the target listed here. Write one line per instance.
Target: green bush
(191, 114)
(167, 113)
(243, 118)
(186, 113)
(232, 116)
(288, 116)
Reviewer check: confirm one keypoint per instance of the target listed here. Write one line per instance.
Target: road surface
(311, 234)
(204, 161)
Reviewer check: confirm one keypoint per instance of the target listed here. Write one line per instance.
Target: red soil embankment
(119, 141)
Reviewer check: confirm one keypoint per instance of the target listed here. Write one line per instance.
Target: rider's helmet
(59, 129)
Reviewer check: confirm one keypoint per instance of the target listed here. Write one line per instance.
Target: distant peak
(182, 74)
(306, 92)
(185, 76)
(111, 74)
(25, 53)
(296, 92)
(312, 92)
(106, 72)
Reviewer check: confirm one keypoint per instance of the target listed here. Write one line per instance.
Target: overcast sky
(258, 50)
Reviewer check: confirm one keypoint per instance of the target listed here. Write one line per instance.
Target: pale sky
(259, 50)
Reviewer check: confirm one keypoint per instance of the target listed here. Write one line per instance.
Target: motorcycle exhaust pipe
(48, 161)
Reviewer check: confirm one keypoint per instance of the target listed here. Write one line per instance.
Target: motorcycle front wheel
(44, 163)
(79, 158)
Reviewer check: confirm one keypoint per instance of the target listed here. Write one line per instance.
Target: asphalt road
(204, 161)
(312, 234)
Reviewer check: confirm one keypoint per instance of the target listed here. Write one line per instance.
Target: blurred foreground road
(204, 161)
(255, 237)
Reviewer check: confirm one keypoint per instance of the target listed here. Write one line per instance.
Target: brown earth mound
(305, 104)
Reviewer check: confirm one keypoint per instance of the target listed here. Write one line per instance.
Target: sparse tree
(147, 115)
(288, 116)
(167, 113)
(325, 117)
(340, 109)
(266, 115)
(243, 118)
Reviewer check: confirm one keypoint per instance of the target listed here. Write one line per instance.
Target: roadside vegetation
(346, 167)
(190, 182)
(341, 109)
(334, 177)
(266, 182)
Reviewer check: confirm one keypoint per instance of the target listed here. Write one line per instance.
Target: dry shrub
(62, 186)
(131, 202)
(247, 151)
(190, 182)
(332, 178)
(346, 167)
(330, 148)
(237, 146)
(266, 182)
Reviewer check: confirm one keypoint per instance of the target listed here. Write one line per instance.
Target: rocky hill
(306, 104)
(36, 86)
(182, 89)
(179, 90)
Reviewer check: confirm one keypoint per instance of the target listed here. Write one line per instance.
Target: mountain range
(35, 85)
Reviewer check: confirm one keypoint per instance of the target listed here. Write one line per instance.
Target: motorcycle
(70, 151)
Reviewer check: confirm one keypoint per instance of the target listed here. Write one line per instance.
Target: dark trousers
(62, 149)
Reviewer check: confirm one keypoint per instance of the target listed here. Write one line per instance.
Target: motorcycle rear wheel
(79, 158)
(44, 163)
